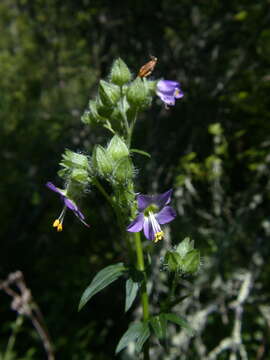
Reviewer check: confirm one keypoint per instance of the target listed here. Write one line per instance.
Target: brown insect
(147, 68)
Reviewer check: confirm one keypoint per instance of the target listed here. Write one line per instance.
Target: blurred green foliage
(213, 146)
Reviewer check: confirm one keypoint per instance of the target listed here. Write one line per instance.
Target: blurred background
(213, 148)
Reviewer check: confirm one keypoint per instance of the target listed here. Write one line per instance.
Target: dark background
(52, 54)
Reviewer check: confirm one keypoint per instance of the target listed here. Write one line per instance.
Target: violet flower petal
(52, 187)
(137, 224)
(167, 86)
(166, 215)
(70, 204)
(144, 201)
(163, 199)
(167, 99)
(148, 229)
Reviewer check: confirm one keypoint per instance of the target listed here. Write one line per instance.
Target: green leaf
(179, 321)
(159, 324)
(132, 334)
(131, 292)
(144, 335)
(103, 278)
(141, 152)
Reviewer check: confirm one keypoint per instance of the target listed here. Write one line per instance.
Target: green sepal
(138, 93)
(120, 73)
(102, 162)
(94, 113)
(185, 246)
(75, 167)
(117, 149)
(173, 260)
(123, 170)
(103, 278)
(109, 93)
(191, 262)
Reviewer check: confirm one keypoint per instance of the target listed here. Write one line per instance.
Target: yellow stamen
(159, 236)
(56, 223)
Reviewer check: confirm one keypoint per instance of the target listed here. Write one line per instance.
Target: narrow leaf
(141, 152)
(132, 334)
(131, 292)
(103, 278)
(179, 321)
(144, 335)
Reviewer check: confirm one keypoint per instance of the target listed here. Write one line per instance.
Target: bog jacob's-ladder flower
(168, 91)
(68, 204)
(153, 212)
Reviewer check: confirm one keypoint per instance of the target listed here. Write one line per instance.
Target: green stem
(144, 295)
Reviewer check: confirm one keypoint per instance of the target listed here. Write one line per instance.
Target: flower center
(58, 223)
(176, 92)
(158, 233)
(152, 208)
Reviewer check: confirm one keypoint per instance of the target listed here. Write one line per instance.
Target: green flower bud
(80, 175)
(76, 166)
(191, 262)
(184, 259)
(120, 73)
(138, 93)
(92, 115)
(185, 246)
(172, 260)
(109, 93)
(123, 170)
(117, 149)
(102, 162)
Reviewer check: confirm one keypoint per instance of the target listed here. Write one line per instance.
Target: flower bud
(172, 260)
(117, 149)
(109, 93)
(120, 73)
(138, 93)
(191, 262)
(101, 161)
(123, 170)
(76, 166)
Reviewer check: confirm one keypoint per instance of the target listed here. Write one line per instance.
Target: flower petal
(148, 229)
(144, 201)
(70, 204)
(137, 224)
(178, 93)
(52, 187)
(169, 99)
(167, 86)
(166, 215)
(163, 199)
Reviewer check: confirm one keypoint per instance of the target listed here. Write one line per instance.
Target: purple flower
(168, 91)
(153, 212)
(68, 204)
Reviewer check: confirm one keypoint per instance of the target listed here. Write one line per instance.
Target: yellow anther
(158, 236)
(59, 227)
(56, 223)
